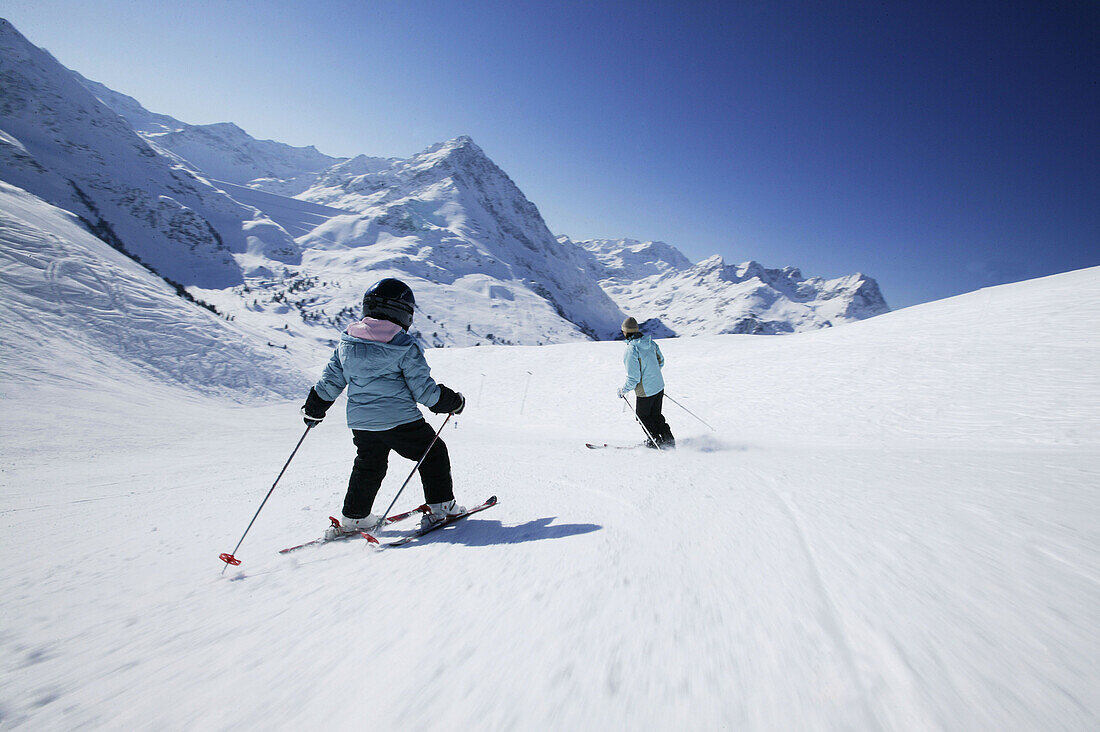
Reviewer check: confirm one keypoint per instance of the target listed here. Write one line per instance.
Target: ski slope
(297, 217)
(894, 526)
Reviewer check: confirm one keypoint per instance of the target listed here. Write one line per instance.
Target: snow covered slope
(209, 206)
(77, 312)
(655, 282)
(894, 527)
(295, 216)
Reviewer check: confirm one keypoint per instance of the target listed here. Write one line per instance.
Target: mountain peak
(461, 140)
(460, 150)
(7, 29)
(748, 270)
(631, 259)
(225, 127)
(713, 263)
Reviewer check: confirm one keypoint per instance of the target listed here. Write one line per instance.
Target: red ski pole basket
(229, 559)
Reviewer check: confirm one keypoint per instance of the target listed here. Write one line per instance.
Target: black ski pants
(372, 457)
(648, 409)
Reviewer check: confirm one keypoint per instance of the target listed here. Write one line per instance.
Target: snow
(75, 309)
(894, 526)
(296, 217)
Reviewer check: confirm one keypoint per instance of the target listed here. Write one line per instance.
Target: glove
(450, 401)
(313, 411)
(623, 392)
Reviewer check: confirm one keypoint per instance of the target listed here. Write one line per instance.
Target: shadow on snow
(487, 532)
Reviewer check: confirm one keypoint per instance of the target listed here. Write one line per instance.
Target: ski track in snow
(829, 616)
(894, 527)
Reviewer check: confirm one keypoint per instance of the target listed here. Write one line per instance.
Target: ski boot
(352, 526)
(439, 512)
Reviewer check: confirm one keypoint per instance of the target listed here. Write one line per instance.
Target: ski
(605, 446)
(355, 534)
(445, 522)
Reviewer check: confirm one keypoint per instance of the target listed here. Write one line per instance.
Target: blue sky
(938, 147)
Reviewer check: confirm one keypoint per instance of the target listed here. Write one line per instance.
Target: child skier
(643, 362)
(384, 371)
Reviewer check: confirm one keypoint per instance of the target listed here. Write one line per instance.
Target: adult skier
(384, 371)
(643, 360)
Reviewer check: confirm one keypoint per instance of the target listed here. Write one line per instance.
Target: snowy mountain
(61, 144)
(451, 216)
(626, 260)
(661, 288)
(207, 206)
(285, 239)
(483, 265)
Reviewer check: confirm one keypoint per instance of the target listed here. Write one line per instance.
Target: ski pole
(228, 557)
(523, 403)
(415, 468)
(639, 420)
(693, 414)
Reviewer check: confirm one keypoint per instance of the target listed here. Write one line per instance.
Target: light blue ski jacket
(643, 361)
(384, 371)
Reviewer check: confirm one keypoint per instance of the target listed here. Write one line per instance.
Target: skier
(643, 362)
(384, 371)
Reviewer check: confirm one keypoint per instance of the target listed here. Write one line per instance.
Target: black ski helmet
(390, 299)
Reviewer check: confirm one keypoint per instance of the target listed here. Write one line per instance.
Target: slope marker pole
(523, 403)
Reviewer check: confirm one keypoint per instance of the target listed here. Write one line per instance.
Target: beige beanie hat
(630, 325)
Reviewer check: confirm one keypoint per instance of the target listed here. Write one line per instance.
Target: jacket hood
(375, 330)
